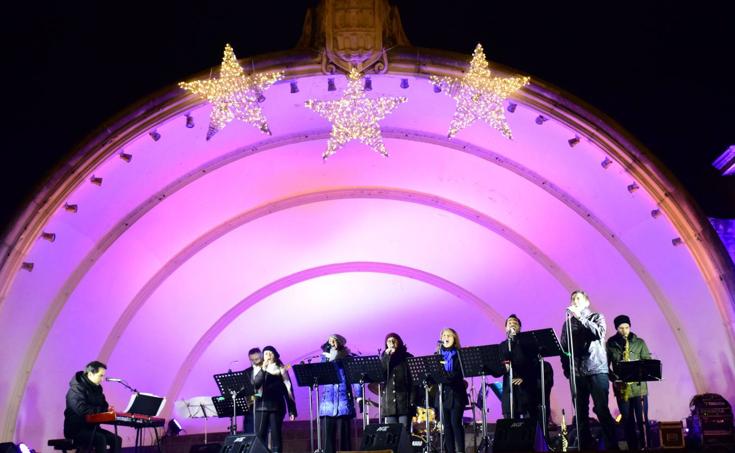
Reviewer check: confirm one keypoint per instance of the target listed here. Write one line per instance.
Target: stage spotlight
(261, 97)
(541, 120)
(96, 180)
(23, 448)
(189, 121)
(606, 163)
(573, 141)
(512, 107)
(633, 187)
(330, 84)
(676, 242)
(368, 84)
(294, 87)
(174, 428)
(404, 83)
(71, 208)
(655, 213)
(437, 89)
(27, 266)
(155, 135)
(51, 237)
(125, 156)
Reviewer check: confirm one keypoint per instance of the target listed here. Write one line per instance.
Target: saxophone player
(632, 397)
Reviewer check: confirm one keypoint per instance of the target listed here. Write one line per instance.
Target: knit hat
(622, 319)
(276, 355)
(340, 339)
(397, 337)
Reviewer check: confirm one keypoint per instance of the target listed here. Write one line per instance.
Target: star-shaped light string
(479, 95)
(354, 116)
(233, 94)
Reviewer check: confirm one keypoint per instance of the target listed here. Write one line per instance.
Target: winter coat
(590, 356)
(454, 392)
(274, 395)
(637, 351)
(337, 399)
(82, 398)
(398, 395)
(525, 366)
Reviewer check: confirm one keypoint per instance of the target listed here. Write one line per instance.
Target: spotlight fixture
(155, 135)
(125, 156)
(368, 84)
(437, 89)
(633, 187)
(261, 97)
(330, 84)
(51, 237)
(71, 208)
(189, 121)
(676, 242)
(23, 448)
(173, 428)
(573, 141)
(27, 266)
(512, 107)
(541, 120)
(404, 83)
(96, 180)
(726, 162)
(655, 213)
(294, 87)
(606, 163)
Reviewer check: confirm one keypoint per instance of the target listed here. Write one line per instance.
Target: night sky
(664, 73)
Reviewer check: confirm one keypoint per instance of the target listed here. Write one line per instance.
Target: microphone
(229, 367)
(113, 379)
(439, 341)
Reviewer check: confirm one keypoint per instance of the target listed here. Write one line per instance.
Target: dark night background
(664, 72)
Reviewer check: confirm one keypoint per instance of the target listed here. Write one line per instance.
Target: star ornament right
(479, 95)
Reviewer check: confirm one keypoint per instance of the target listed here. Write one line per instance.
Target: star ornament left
(354, 116)
(234, 95)
(479, 95)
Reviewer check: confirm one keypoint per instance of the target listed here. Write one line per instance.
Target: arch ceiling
(195, 250)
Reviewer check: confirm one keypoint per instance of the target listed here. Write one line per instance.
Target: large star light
(354, 116)
(479, 95)
(233, 94)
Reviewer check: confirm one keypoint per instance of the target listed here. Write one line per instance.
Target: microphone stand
(573, 376)
(126, 385)
(510, 375)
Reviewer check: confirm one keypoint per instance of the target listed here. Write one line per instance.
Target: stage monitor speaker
(515, 435)
(8, 447)
(205, 448)
(243, 443)
(387, 436)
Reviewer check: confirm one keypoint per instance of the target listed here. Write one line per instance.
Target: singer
(84, 397)
(274, 384)
(453, 394)
(398, 399)
(590, 367)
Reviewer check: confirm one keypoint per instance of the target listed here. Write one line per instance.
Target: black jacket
(82, 398)
(274, 393)
(454, 393)
(525, 366)
(398, 395)
(590, 355)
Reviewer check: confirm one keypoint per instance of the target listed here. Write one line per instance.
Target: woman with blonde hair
(453, 394)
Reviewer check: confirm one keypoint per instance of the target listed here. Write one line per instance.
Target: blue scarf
(448, 355)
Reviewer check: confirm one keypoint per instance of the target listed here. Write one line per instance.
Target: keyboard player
(84, 397)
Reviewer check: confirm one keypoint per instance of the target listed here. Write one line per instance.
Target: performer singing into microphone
(84, 397)
(590, 364)
(272, 380)
(632, 397)
(336, 408)
(454, 393)
(398, 398)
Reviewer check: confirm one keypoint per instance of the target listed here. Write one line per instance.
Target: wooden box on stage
(671, 434)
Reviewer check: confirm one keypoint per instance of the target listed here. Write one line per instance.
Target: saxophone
(563, 432)
(626, 386)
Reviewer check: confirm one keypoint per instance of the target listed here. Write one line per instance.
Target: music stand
(543, 343)
(313, 375)
(479, 361)
(238, 388)
(638, 370)
(364, 370)
(424, 371)
(200, 407)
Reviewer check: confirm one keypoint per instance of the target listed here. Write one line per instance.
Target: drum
(419, 421)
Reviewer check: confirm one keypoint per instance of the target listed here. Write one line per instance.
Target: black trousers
(597, 386)
(98, 439)
(333, 425)
(453, 429)
(273, 421)
(634, 414)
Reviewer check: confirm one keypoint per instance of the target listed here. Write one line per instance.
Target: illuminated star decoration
(233, 94)
(479, 95)
(354, 116)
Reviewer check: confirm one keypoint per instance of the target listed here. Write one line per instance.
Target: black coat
(454, 393)
(82, 398)
(525, 366)
(398, 395)
(274, 395)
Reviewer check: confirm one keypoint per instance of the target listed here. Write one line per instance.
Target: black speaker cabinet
(243, 443)
(388, 436)
(514, 435)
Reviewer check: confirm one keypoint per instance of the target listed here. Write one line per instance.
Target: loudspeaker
(515, 435)
(205, 448)
(243, 443)
(387, 436)
(8, 447)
